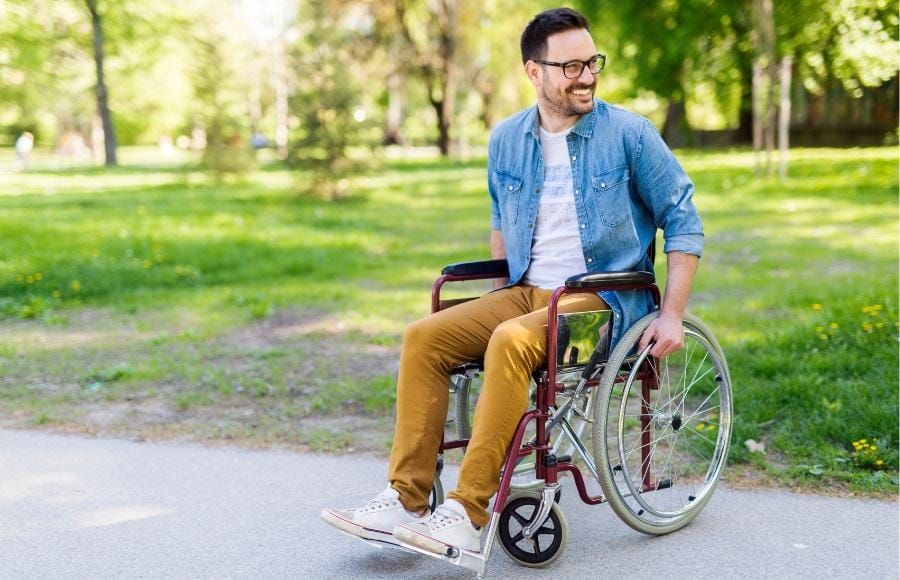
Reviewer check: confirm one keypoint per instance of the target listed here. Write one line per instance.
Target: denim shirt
(627, 184)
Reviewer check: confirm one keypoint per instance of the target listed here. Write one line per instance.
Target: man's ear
(534, 73)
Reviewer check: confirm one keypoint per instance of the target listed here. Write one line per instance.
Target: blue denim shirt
(627, 184)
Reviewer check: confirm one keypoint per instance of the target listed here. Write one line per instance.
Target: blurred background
(217, 217)
(316, 79)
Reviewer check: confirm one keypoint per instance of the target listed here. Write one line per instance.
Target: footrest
(610, 280)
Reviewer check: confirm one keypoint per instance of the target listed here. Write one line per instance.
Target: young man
(576, 186)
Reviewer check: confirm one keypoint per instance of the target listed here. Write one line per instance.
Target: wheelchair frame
(547, 465)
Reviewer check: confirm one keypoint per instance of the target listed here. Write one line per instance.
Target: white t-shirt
(556, 252)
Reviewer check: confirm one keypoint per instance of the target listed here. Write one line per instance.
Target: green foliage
(328, 60)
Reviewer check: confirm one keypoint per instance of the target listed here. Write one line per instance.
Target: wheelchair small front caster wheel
(436, 497)
(548, 542)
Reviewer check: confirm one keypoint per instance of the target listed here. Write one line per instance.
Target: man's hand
(667, 333)
(666, 330)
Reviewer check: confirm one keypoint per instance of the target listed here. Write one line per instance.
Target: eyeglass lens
(574, 69)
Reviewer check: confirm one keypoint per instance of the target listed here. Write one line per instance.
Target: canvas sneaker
(374, 520)
(446, 528)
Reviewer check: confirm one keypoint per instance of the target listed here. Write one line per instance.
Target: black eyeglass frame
(599, 57)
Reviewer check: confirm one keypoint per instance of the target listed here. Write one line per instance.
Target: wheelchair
(653, 433)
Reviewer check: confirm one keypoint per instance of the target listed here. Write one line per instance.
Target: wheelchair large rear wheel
(662, 428)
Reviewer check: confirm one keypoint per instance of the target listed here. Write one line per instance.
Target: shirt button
(510, 187)
(573, 158)
(583, 226)
(590, 260)
(602, 184)
(577, 191)
(537, 189)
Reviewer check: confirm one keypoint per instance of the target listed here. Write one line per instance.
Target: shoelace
(443, 517)
(382, 500)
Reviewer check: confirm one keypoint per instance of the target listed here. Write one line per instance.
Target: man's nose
(586, 71)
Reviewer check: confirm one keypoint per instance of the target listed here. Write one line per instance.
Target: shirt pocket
(509, 188)
(612, 196)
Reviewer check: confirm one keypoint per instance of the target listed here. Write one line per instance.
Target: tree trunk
(766, 77)
(441, 109)
(109, 132)
(393, 119)
(675, 126)
(757, 115)
(280, 84)
(784, 119)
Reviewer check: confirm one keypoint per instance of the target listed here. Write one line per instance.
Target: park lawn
(150, 301)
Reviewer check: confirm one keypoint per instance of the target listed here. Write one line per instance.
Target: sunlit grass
(178, 260)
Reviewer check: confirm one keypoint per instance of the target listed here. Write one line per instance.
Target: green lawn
(149, 300)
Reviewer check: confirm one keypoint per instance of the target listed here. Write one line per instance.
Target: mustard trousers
(508, 328)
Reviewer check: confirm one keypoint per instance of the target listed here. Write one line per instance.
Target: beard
(563, 103)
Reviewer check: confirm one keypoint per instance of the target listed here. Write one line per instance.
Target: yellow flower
(817, 307)
(879, 462)
(823, 336)
(57, 293)
(38, 276)
(863, 440)
(75, 285)
(699, 426)
(834, 325)
(147, 263)
(879, 325)
(29, 279)
(820, 329)
(873, 448)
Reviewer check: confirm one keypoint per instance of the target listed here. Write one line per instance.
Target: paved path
(72, 507)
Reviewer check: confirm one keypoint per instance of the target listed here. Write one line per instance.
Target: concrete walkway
(73, 507)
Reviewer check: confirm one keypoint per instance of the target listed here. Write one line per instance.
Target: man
(576, 186)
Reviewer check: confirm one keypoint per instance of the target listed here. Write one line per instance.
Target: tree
(109, 131)
(662, 42)
(335, 42)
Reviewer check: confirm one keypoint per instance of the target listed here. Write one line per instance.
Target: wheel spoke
(692, 430)
(523, 521)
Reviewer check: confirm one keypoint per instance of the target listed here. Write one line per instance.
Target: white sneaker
(448, 527)
(375, 520)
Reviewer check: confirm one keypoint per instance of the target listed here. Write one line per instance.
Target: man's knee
(515, 339)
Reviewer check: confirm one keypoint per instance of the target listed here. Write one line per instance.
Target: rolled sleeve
(685, 243)
(668, 192)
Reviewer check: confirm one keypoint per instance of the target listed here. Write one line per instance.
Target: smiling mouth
(581, 92)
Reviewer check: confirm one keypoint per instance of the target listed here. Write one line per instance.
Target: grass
(148, 297)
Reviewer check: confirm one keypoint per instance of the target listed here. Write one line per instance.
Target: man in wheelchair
(576, 185)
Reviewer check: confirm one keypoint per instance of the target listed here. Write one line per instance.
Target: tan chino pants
(508, 328)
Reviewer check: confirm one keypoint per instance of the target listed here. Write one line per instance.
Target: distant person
(259, 141)
(24, 145)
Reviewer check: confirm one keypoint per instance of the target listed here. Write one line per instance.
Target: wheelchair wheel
(660, 451)
(543, 548)
(436, 497)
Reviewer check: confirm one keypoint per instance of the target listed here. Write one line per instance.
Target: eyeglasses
(572, 69)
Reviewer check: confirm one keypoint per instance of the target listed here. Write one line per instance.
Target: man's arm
(666, 330)
(498, 252)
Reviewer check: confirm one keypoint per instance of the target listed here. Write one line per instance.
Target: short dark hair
(549, 22)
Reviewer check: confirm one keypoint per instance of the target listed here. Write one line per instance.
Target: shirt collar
(583, 127)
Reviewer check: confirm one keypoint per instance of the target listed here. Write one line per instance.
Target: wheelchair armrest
(610, 280)
(498, 268)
